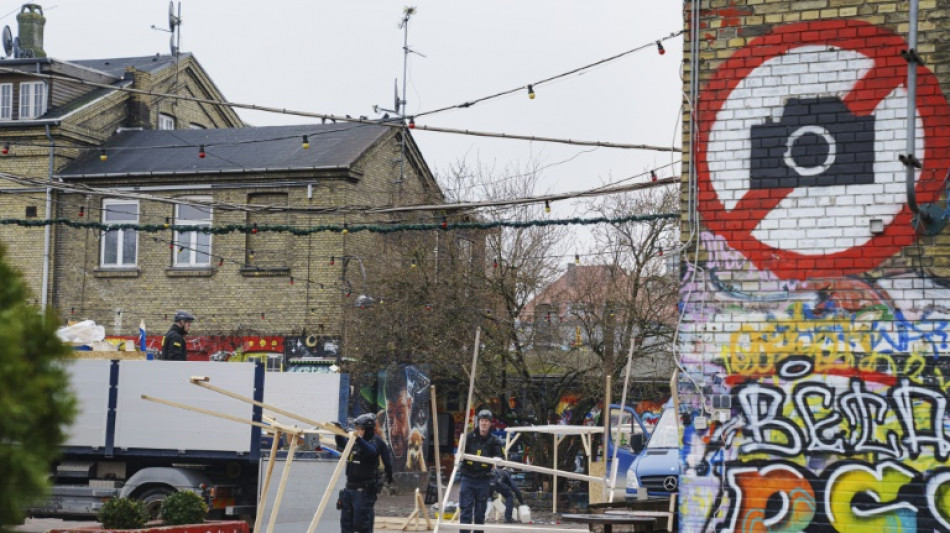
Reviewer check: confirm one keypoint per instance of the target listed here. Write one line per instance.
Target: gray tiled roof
(115, 66)
(228, 150)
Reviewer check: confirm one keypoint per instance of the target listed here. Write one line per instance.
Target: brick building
(115, 154)
(814, 320)
(52, 111)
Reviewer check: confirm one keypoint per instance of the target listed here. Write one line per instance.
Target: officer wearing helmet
(475, 486)
(173, 344)
(362, 467)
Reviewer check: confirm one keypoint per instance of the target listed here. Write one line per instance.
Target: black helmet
(486, 414)
(366, 421)
(184, 315)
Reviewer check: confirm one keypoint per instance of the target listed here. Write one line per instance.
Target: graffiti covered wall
(816, 318)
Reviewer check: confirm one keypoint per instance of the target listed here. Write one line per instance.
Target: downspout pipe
(910, 161)
(47, 230)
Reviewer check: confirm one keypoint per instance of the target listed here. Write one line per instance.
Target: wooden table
(609, 520)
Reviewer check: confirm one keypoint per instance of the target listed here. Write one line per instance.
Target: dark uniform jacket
(173, 345)
(488, 446)
(363, 462)
(502, 480)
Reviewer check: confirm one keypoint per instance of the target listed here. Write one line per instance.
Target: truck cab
(656, 469)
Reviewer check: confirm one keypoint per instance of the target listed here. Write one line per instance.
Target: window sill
(126, 272)
(265, 272)
(190, 272)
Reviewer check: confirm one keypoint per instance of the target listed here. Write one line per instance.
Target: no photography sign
(797, 148)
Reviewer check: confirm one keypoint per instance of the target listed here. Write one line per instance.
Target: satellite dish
(173, 19)
(7, 41)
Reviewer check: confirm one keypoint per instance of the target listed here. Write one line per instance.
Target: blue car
(656, 468)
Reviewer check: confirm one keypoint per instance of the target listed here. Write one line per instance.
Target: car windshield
(666, 434)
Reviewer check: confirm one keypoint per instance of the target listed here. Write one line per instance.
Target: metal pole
(912, 108)
(48, 229)
(623, 403)
(435, 435)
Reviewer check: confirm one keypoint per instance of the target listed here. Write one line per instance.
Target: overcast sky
(342, 57)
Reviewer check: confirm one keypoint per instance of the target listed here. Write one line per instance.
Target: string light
(308, 230)
(291, 280)
(659, 48)
(412, 123)
(220, 262)
(577, 259)
(661, 251)
(346, 228)
(167, 223)
(547, 206)
(494, 264)
(82, 211)
(201, 151)
(332, 260)
(254, 228)
(530, 91)
(413, 264)
(306, 143)
(445, 223)
(262, 316)
(103, 156)
(250, 255)
(6, 149)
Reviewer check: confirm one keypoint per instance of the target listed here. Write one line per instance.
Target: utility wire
(393, 123)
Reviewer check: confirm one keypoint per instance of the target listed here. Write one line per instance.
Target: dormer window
(6, 101)
(32, 99)
(166, 122)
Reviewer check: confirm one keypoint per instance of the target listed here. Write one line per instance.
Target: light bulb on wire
(201, 151)
(306, 143)
(547, 206)
(530, 92)
(103, 156)
(659, 48)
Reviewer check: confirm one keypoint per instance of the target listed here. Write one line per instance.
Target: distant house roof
(116, 66)
(229, 150)
(580, 283)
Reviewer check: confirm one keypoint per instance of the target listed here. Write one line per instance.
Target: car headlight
(632, 481)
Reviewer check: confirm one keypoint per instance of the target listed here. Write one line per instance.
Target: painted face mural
(817, 351)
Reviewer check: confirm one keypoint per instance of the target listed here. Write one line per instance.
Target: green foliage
(123, 513)
(35, 403)
(184, 507)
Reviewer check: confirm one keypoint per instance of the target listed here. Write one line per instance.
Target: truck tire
(153, 498)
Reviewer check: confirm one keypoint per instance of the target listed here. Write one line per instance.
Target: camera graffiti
(814, 346)
(817, 142)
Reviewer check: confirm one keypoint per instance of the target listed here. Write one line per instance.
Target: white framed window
(166, 122)
(192, 248)
(6, 101)
(32, 99)
(120, 246)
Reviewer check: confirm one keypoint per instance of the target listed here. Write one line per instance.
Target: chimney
(31, 22)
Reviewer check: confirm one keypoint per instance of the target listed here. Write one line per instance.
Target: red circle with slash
(736, 225)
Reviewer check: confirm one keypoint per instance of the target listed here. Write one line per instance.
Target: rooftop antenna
(399, 107)
(174, 40)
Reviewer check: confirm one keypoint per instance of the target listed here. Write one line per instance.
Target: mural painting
(815, 337)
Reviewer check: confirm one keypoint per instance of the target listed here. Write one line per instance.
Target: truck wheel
(153, 499)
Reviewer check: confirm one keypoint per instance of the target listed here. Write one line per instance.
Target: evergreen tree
(36, 405)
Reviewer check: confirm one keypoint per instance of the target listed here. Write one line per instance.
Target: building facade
(813, 335)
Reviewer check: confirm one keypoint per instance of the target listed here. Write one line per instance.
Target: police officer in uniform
(359, 495)
(173, 343)
(475, 486)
